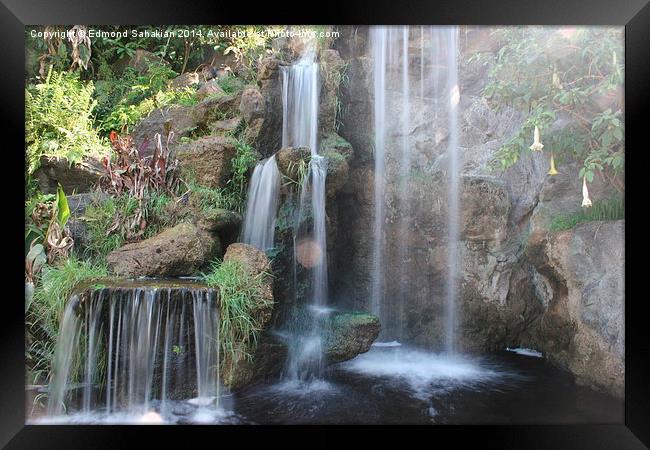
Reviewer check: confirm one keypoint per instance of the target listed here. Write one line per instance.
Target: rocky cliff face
(522, 285)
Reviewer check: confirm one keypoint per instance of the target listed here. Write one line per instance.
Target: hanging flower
(537, 145)
(585, 193)
(552, 170)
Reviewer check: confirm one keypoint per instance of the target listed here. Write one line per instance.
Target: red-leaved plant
(134, 174)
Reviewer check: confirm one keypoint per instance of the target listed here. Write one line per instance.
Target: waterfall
(404, 192)
(136, 348)
(453, 180)
(391, 49)
(300, 94)
(378, 38)
(258, 228)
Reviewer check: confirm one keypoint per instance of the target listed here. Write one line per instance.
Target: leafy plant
(242, 305)
(58, 120)
(58, 240)
(569, 72)
(245, 158)
(124, 101)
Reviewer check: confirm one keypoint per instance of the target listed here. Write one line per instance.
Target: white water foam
(425, 373)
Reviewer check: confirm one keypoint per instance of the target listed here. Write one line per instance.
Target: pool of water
(395, 385)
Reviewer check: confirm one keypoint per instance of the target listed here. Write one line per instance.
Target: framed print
(414, 218)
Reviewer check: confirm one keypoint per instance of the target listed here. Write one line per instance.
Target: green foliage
(62, 208)
(126, 100)
(108, 226)
(608, 209)
(241, 304)
(230, 84)
(45, 311)
(245, 158)
(58, 121)
(208, 199)
(551, 73)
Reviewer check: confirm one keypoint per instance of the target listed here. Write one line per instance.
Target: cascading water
(453, 184)
(139, 352)
(258, 228)
(300, 94)
(379, 37)
(393, 50)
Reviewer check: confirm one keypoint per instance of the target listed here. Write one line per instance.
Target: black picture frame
(633, 14)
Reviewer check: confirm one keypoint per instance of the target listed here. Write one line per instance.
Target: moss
(334, 142)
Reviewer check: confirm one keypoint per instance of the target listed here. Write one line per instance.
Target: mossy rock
(290, 158)
(181, 250)
(334, 142)
(219, 219)
(349, 334)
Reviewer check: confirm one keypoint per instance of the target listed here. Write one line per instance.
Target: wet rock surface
(181, 250)
(347, 335)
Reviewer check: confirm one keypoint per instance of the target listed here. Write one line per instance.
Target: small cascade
(258, 228)
(426, 58)
(135, 351)
(300, 93)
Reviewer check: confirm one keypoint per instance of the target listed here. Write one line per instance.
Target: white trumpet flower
(585, 193)
(537, 145)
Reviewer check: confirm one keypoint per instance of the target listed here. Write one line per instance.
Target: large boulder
(216, 107)
(584, 273)
(181, 250)
(251, 105)
(338, 153)
(179, 119)
(348, 334)
(74, 178)
(183, 121)
(208, 160)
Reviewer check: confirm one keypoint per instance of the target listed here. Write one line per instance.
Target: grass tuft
(241, 306)
(608, 209)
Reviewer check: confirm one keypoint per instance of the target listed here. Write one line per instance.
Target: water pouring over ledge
(300, 94)
(258, 228)
(138, 353)
(395, 53)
